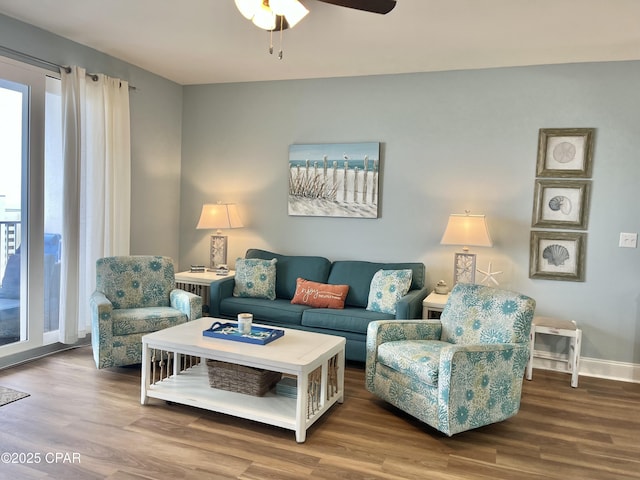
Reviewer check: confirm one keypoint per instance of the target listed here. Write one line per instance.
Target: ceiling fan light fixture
(264, 17)
(292, 10)
(248, 8)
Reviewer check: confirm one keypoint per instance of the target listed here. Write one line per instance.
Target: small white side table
(433, 305)
(563, 328)
(198, 283)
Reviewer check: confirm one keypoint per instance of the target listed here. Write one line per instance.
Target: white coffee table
(316, 360)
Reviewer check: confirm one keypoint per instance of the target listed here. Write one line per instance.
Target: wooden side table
(433, 305)
(198, 283)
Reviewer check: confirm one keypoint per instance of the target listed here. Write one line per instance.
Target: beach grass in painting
(334, 180)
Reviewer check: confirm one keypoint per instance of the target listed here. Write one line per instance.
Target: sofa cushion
(320, 295)
(290, 267)
(346, 320)
(279, 311)
(418, 359)
(358, 275)
(255, 278)
(387, 287)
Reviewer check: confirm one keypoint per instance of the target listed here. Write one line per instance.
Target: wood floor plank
(592, 432)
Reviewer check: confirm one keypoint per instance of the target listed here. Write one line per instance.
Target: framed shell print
(558, 255)
(565, 152)
(561, 204)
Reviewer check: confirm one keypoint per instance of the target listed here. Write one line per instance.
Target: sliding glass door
(30, 242)
(14, 116)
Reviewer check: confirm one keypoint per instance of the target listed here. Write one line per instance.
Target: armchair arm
(101, 308)
(101, 331)
(410, 306)
(188, 303)
(218, 291)
(479, 384)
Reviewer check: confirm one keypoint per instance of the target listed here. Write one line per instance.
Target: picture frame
(334, 180)
(561, 204)
(557, 255)
(565, 152)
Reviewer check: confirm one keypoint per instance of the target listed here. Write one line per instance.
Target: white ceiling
(208, 41)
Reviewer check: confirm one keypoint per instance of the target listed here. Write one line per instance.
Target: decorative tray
(229, 331)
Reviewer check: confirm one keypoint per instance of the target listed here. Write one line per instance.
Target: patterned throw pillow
(387, 287)
(255, 278)
(319, 295)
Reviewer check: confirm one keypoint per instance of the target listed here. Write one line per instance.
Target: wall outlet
(628, 240)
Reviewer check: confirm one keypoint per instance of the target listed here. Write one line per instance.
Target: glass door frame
(32, 206)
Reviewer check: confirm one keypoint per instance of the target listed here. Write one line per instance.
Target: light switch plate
(628, 240)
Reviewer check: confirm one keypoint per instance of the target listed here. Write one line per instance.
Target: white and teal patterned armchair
(135, 295)
(460, 372)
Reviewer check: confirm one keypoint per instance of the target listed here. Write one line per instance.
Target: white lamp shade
(467, 230)
(219, 215)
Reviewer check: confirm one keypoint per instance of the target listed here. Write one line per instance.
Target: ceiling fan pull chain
(271, 42)
(280, 52)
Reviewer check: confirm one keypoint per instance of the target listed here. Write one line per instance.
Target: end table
(198, 283)
(433, 305)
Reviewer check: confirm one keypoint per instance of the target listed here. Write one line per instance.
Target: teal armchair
(460, 372)
(135, 295)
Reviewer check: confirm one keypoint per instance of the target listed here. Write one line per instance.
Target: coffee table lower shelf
(191, 387)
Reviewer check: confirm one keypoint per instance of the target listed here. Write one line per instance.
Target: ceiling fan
(272, 15)
(375, 6)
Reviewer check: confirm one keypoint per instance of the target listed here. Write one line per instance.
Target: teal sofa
(351, 322)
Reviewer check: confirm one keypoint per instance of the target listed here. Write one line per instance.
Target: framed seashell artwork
(558, 255)
(565, 152)
(561, 204)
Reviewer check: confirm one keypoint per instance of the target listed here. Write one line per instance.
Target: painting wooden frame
(565, 152)
(334, 180)
(561, 204)
(558, 255)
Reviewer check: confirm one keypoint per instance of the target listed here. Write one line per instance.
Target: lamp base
(464, 268)
(218, 252)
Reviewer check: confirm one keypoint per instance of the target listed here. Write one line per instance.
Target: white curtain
(96, 188)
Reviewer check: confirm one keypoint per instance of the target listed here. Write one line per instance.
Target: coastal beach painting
(334, 180)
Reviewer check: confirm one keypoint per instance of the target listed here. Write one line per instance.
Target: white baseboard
(593, 367)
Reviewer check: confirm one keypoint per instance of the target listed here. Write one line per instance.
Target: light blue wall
(156, 128)
(450, 141)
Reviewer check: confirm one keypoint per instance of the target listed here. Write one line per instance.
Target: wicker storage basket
(241, 379)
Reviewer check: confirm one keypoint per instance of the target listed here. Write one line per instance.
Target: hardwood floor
(94, 421)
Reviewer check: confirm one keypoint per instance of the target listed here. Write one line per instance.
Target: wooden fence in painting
(320, 180)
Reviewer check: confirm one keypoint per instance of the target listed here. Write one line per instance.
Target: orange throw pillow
(319, 295)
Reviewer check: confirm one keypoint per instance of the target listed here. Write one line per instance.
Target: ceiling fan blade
(374, 6)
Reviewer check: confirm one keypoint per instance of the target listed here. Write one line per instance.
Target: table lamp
(469, 231)
(218, 216)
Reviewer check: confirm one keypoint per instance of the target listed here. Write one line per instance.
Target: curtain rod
(54, 67)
